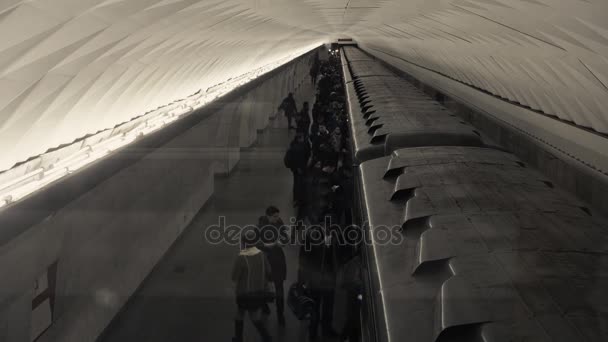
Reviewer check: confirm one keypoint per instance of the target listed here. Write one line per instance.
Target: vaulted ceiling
(73, 67)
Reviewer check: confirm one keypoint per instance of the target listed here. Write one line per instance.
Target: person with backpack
(296, 159)
(251, 273)
(288, 106)
(272, 231)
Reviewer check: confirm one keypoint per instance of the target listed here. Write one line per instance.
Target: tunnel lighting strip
(17, 188)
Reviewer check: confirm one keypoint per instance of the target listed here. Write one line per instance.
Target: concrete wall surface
(99, 247)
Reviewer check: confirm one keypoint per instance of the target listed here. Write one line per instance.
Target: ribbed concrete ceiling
(72, 67)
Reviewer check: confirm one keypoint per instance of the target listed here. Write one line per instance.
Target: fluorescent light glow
(23, 179)
(17, 186)
(90, 158)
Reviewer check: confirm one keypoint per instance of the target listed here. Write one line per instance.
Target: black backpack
(288, 159)
(299, 301)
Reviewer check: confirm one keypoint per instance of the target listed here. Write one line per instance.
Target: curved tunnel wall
(106, 240)
(70, 68)
(73, 67)
(548, 55)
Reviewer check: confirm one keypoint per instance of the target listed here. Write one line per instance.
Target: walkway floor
(189, 296)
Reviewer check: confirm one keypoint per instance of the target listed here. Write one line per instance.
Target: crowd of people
(320, 161)
(319, 156)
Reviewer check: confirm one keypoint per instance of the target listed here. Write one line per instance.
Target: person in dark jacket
(303, 120)
(309, 208)
(296, 159)
(317, 270)
(343, 196)
(325, 187)
(251, 273)
(321, 136)
(352, 283)
(314, 191)
(336, 139)
(272, 231)
(318, 120)
(288, 106)
(324, 87)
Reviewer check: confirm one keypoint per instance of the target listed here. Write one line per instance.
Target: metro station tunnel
(303, 170)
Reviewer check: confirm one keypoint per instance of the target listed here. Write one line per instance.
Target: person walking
(251, 273)
(273, 230)
(288, 106)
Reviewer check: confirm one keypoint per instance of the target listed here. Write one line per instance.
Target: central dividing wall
(81, 262)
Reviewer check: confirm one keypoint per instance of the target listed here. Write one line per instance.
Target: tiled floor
(189, 296)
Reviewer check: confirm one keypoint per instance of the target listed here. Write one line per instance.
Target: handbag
(265, 295)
